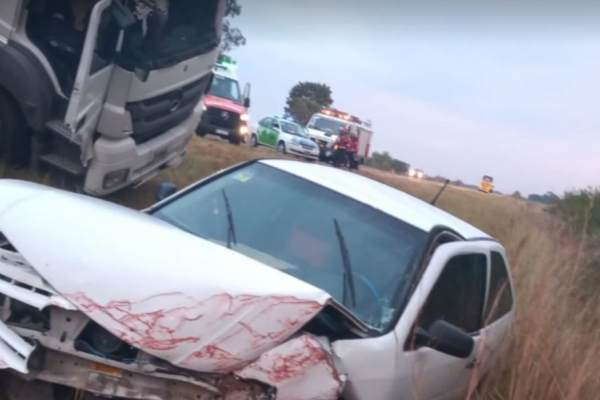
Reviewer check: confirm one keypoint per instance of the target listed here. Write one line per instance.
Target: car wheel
(254, 141)
(15, 137)
(281, 148)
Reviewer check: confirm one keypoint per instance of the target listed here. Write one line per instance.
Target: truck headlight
(245, 117)
(243, 130)
(115, 178)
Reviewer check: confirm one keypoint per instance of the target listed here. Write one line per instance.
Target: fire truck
(324, 128)
(225, 107)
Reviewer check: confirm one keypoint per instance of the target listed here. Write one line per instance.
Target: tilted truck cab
(104, 93)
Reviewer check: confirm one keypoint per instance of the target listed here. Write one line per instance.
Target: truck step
(60, 128)
(63, 164)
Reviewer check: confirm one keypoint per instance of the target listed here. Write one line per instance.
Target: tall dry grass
(555, 352)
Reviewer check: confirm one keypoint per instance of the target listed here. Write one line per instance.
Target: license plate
(222, 132)
(107, 370)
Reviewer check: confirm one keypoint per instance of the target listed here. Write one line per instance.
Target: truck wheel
(234, 140)
(15, 137)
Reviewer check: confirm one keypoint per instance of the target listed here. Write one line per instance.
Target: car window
(265, 122)
(275, 124)
(458, 295)
(500, 298)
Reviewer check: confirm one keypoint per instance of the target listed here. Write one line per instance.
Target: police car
(286, 135)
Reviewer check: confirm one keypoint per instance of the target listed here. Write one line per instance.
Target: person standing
(342, 143)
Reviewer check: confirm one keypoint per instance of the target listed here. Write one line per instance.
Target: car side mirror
(445, 338)
(247, 102)
(164, 190)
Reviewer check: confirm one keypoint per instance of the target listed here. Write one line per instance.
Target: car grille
(221, 118)
(152, 117)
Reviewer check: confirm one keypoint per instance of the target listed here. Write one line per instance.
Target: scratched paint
(300, 369)
(218, 334)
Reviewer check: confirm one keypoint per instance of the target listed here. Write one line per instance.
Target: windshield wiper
(231, 227)
(348, 274)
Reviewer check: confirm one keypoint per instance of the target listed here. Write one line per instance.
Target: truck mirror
(122, 15)
(247, 102)
(164, 190)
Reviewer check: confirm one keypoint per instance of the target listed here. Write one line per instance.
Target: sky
(457, 88)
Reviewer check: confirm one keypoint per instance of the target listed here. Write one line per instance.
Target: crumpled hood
(193, 303)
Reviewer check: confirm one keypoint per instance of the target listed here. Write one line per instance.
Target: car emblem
(225, 115)
(175, 101)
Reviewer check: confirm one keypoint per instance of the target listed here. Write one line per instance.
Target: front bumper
(225, 133)
(119, 163)
(304, 152)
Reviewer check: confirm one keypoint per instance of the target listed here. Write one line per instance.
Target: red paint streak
(287, 368)
(222, 332)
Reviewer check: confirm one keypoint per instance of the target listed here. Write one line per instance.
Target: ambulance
(324, 128)
(225, 107)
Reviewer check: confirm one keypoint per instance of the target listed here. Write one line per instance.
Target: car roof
(380, 196)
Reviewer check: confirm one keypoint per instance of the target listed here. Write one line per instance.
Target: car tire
(281, 148)
(15, 135)
(254, 141)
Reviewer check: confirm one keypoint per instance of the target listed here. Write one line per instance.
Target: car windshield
(225, 88)
(289, 223)
(488, 179)
(293, 129)
(327, 125)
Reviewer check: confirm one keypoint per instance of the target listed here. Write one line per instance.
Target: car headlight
(245, 117)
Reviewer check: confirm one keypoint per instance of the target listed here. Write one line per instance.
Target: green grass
(554, 354)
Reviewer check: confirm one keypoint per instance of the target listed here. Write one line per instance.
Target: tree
(306, 99)
(232, 37)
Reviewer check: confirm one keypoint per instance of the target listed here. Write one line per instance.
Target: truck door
(93, 76)
(452, 289)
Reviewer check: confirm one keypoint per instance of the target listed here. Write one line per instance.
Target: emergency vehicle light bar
(226, 62)
(341, 115)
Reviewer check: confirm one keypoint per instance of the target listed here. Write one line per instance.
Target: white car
(286, 136)
(272, 279)
(416, 173)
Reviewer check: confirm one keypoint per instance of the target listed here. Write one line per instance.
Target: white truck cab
(270, 280)
(324, 128)
(104, 92)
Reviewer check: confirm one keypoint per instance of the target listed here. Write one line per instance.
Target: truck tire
(15, 136)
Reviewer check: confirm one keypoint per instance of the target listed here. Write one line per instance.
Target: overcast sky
(457, 88)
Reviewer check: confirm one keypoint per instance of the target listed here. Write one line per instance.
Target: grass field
(555, 351)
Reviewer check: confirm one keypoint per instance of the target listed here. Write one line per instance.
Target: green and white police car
(286, 135)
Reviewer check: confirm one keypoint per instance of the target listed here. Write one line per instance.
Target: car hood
(224, 104)
(181, 298)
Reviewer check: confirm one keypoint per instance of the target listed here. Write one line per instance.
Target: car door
(452, 289)
(93, 75)
(263, 130)
(274, 133)
(499, 312)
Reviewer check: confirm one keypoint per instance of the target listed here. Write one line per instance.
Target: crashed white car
(270, 280)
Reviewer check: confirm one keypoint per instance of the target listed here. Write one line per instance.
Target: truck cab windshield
(327, 125)
(225, 88)
(291, 224)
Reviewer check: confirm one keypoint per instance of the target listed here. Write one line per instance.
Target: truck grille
(221, 118)
(153, 117)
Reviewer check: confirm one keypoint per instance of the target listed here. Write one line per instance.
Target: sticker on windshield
(243, 177)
